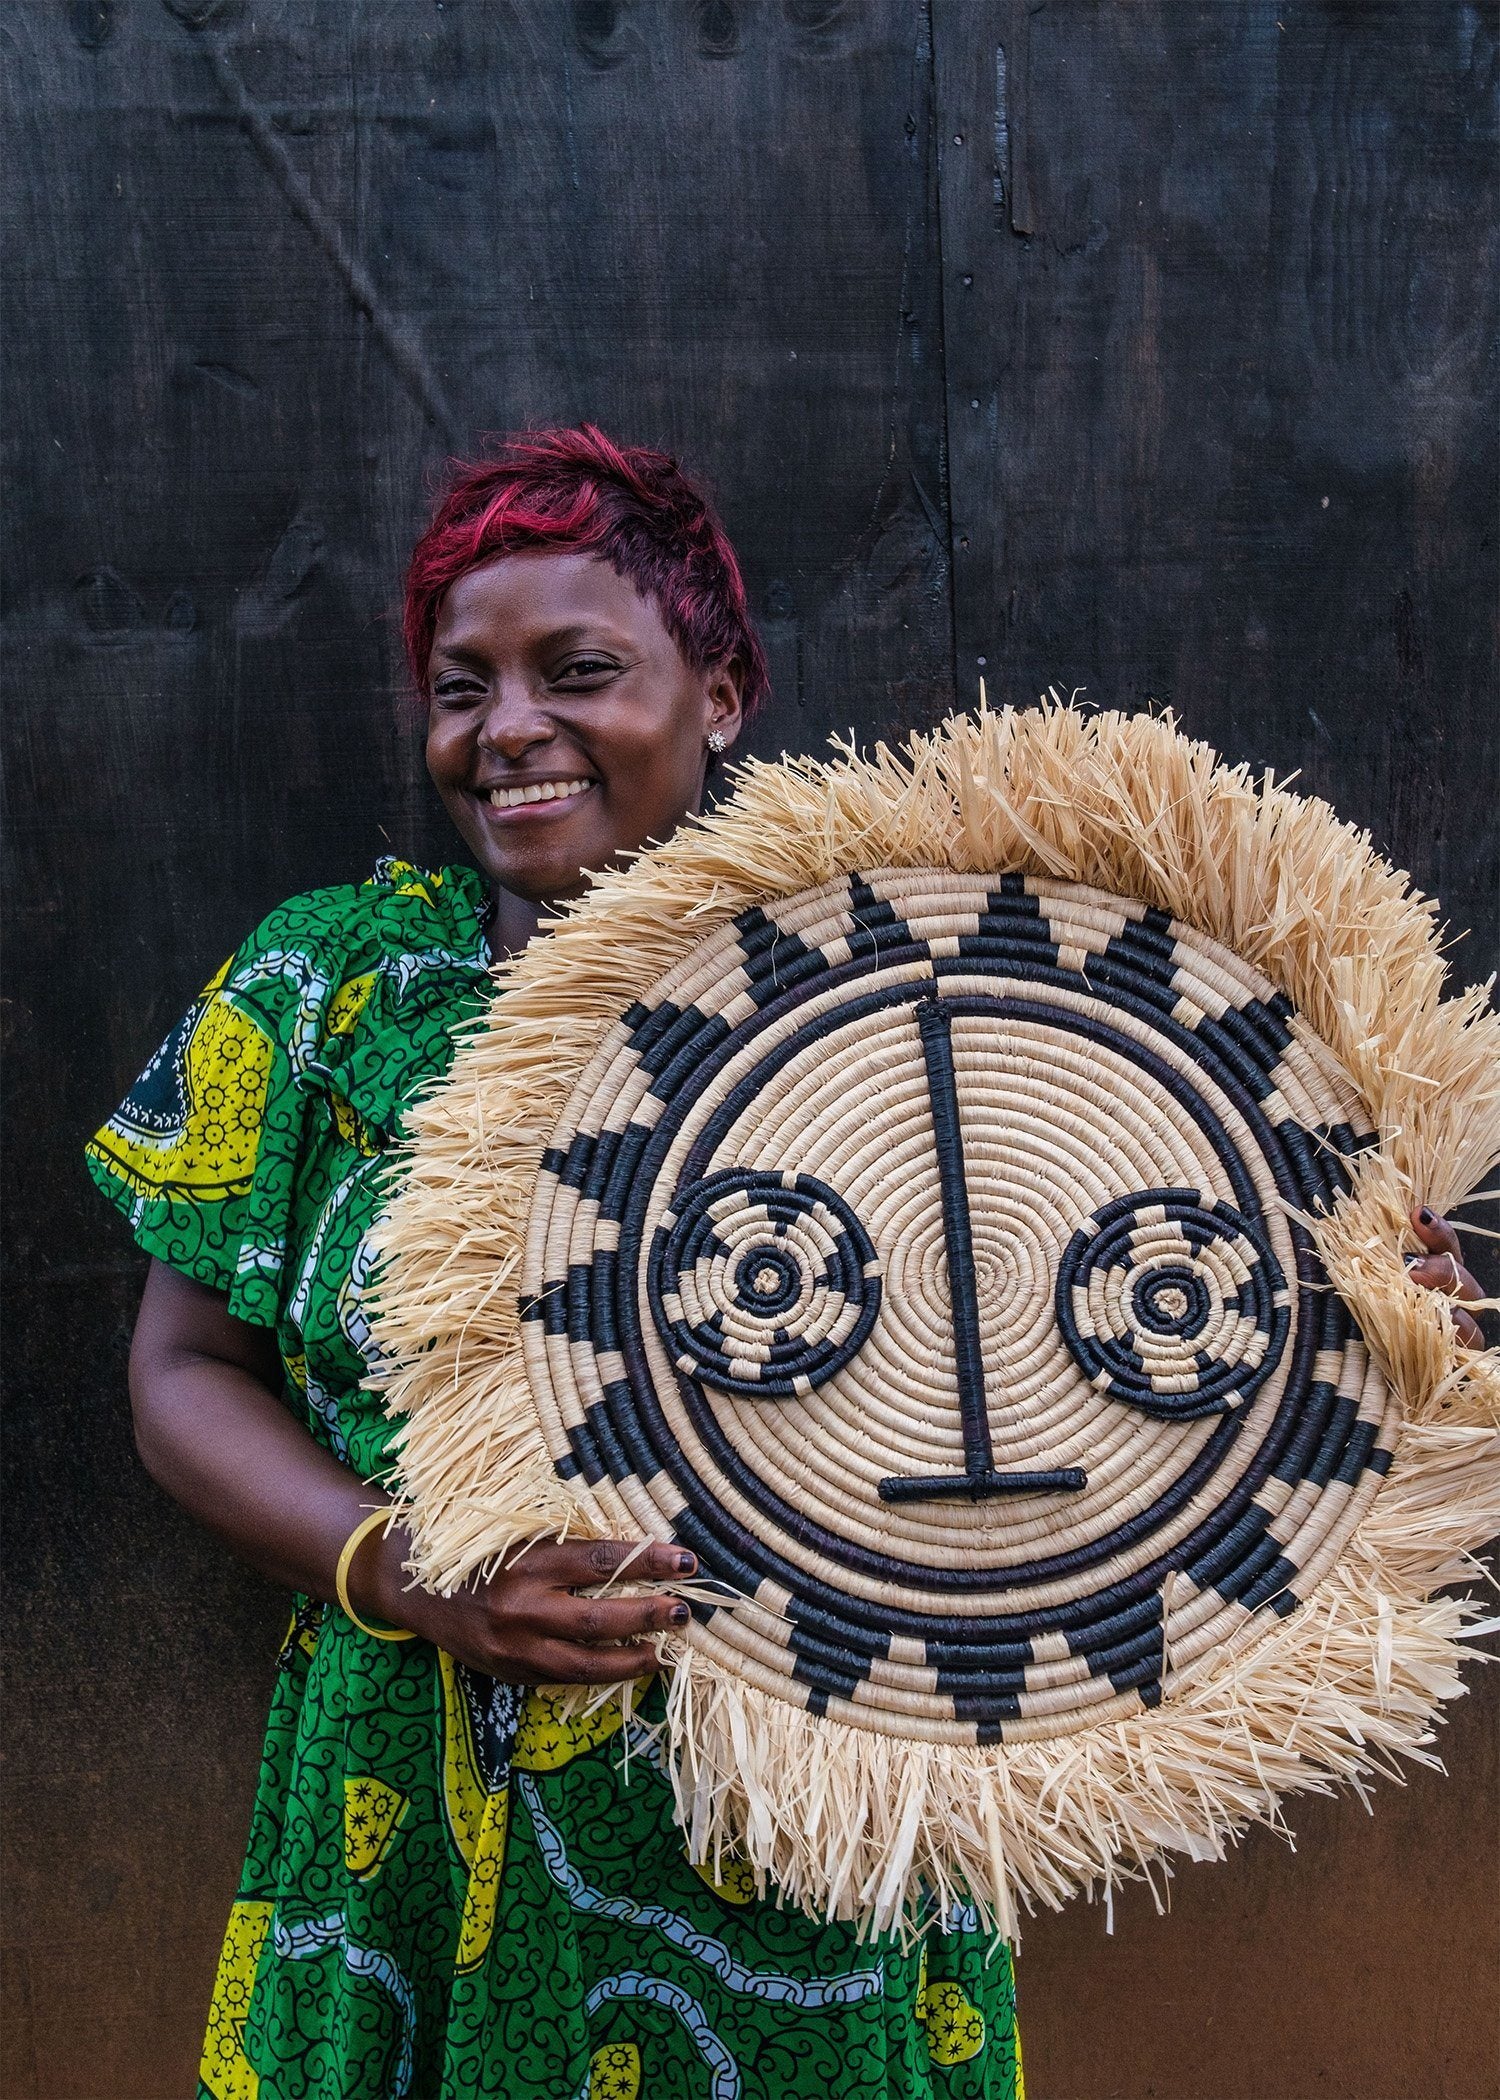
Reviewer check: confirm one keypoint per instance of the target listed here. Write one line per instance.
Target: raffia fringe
(843, 1820)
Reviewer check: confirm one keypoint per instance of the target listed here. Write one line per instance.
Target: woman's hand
(527, 1624)
(213, 1430)
(1440, 1269)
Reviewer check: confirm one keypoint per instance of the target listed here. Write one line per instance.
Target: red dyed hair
(577, 491)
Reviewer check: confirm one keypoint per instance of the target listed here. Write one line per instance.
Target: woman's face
(566, 729)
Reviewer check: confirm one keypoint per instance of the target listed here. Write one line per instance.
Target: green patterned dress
(452, 1890)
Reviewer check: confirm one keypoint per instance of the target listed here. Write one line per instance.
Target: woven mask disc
(923, 1252)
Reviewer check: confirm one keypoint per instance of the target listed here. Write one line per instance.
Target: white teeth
(540, 791)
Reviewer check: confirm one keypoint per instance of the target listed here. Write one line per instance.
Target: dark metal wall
(1138, 345)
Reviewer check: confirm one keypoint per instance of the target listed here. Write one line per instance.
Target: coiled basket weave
(960, 1194)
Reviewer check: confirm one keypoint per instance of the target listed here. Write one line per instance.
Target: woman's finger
(583, 1563)
(1435, 1233)
(1445, 1273)
(564, 1662)
(1440, 1269)
(594, 1619)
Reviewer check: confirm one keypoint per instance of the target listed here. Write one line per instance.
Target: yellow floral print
(550, 1737)
(464, 1791)
(615, 2072)
(373, 1813)
(226, 2071)
(738, 1883)
(955, 2025)
(477, 1926)
(191, 1126)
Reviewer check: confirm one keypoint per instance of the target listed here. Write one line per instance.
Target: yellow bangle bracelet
(352, 1545)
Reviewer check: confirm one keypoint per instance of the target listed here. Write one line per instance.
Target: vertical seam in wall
(935, 117)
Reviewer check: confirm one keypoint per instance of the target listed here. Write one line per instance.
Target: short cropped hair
(577, 491)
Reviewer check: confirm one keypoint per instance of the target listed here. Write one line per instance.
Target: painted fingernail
(1426, 1217)
(1411, 1260)
(679, 1615)
(687, 1564)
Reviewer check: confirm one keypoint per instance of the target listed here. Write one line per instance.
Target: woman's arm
(212, 1431)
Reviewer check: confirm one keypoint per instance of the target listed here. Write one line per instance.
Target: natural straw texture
(912, 1187)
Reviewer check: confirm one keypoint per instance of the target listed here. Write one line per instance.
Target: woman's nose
(515, 721)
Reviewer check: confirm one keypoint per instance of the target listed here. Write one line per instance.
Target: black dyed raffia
(1192, 1310)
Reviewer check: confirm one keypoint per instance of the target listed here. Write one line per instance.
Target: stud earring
(718, 743)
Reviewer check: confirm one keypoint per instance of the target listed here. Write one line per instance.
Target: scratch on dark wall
(1002, 138)
(405, 355)
(1012, 124)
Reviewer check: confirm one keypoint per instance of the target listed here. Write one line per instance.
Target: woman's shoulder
(400, 909)
(346, 995)
(362, 985)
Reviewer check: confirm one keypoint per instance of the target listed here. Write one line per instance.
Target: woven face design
(924, 1255)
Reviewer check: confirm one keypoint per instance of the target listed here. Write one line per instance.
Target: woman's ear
(726, 713)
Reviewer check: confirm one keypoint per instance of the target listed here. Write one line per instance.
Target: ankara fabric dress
(452, 1891)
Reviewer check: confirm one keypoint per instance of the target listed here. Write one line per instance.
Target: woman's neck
(512, 923)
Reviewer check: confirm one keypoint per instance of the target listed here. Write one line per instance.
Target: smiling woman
(567, 729)
(576, 620)
(413, 1922)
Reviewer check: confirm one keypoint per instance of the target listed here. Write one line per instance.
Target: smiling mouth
(537, 794)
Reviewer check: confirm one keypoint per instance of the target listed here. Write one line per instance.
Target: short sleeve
(201, 1156)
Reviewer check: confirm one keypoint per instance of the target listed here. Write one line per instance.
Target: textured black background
(1134, 345)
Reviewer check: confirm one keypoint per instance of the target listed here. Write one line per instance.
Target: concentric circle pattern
(1171, 1306)
(925, 1253)
(763, 1284)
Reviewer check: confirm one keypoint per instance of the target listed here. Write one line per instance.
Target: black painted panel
(1220, 302)
(267, 263)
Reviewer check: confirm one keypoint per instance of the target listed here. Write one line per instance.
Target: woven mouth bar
(925, 1253)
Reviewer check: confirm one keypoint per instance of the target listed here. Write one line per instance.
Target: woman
(451, 1890)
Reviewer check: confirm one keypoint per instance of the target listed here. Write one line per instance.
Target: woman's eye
(586, 669)
(457, 689)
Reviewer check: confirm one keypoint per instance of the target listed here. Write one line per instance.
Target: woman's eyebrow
(457, 652)
(600, 633)
(476, 655)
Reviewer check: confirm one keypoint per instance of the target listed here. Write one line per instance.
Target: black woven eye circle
(762, 1284)
(1172, 1303)
(766, 1281)
(1171, 1300)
